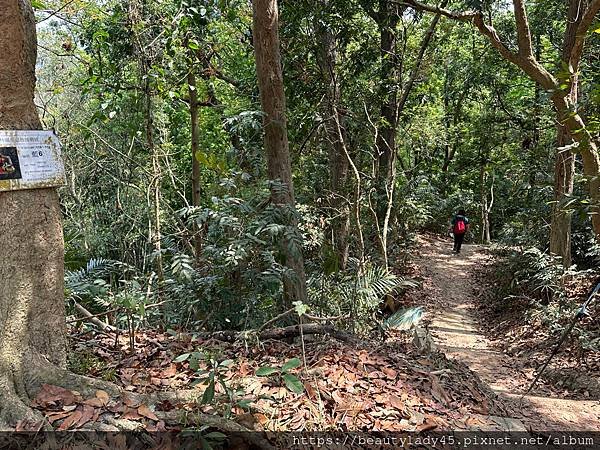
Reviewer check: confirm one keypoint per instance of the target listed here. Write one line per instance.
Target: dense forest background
(397, 116)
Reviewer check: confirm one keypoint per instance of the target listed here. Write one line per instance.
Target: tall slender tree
(279, 168)
(336, 135)
(564, 164)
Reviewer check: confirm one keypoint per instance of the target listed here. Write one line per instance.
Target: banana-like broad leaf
(404, 319)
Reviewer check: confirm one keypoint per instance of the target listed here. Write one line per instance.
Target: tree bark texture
(564, 163)
(560, 227)
(272, 97)
(386, 136)
(32, 310)
(336, 141)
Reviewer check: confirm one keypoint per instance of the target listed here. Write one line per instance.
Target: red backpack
(460, 226)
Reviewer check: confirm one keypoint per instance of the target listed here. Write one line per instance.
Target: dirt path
(450, 281)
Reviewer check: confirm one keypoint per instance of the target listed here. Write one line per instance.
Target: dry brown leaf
(390, 373)
(131, 414)
(380, 399)
(428, 425)
(50, 395)
(70, 421)
(261, 418)
(145, 411)
(94, 402)
(86, 415)
(339, 399)
(310, 391)
(170, 371)
(54, 416)
(103, 397)
(244, 369)
(396, 402)
(439, 392)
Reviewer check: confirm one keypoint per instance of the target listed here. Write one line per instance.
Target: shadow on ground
(450, 281)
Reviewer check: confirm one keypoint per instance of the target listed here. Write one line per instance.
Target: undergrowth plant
(283, 375)
(541, 285)
(212, 376)
(356, 293)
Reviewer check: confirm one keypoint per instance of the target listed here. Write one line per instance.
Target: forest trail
(451, 282)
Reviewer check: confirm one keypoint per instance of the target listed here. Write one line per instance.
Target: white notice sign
(30, 160)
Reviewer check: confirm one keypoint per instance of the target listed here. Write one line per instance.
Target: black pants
(458, 240)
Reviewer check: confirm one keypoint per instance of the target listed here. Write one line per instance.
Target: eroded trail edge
(451, 283)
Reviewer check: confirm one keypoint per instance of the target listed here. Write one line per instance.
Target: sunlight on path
(450, 281)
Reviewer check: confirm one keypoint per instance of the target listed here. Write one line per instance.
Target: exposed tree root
(13, 409)
(281, 333)
(15, 406)
(40, 371)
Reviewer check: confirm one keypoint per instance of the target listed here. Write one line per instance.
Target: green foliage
(242, 241)
(542, 288)
(211, 376)
(94, 281)
(283, 374)
(356, 293)
(473, 129)
(537, 275)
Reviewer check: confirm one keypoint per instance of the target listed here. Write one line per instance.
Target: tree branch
(221, 76)
(366, 5)
(93, 318)
(279, 333)
(527, 63)
(424, 44)
(52, 13)
(586, 22)
(464, 16)
(523, 30)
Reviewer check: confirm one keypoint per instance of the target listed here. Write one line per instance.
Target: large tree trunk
(560, 227)
(32, 311)
(272, 96)
(564, 164)
(338, 162)
(386, 137)
(575, 126)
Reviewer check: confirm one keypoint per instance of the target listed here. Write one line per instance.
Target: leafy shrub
(355, 293)
(535, 274)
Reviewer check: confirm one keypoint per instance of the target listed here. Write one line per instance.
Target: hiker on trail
(460, 225)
